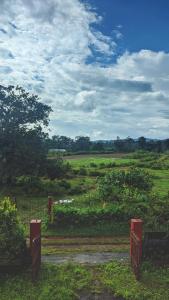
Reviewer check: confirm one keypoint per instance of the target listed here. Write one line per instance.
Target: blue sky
(145, 24)
(102, 65)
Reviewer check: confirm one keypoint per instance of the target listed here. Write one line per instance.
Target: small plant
(93, 165)
(82, 171)
(12, 239)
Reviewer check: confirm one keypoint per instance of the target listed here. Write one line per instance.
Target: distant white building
(56, 150)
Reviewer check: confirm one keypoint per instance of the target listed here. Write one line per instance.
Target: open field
(35, 206)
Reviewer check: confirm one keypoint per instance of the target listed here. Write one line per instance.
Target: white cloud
(45, 46)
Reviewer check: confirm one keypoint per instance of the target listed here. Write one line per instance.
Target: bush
(72, 216)
(102, 165)
(75, 190)
(82, 171)
(57, 168)
(115, 184)
(111, 165)
(32, 185)
(65, 184)
(93, 165)
(29, 184)
(12, 239)
(94, 173)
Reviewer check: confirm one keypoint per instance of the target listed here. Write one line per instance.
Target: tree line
(84, 144)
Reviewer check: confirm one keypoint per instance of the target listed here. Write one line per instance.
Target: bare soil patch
(108, 155)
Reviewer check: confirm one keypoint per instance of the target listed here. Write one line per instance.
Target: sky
(102, 65)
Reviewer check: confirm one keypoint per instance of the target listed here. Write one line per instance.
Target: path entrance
(86, 258)
(95, 250)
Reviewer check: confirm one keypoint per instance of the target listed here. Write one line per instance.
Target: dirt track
(108, 155)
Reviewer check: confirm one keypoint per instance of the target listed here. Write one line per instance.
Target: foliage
(33, 185)
(82, 171)
(64, 282)
(157, 216)
(95, 173)
(57, 168)
(66, 215)
(21, 136)
(12, 239)
(119, 278)
(117, 183)
(72, 281)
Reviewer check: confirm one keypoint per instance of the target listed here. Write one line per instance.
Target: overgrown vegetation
(70, 282)
(12, 239)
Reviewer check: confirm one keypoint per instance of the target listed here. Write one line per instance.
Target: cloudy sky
(102, 65)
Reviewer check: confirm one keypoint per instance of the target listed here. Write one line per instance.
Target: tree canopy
(22, 146)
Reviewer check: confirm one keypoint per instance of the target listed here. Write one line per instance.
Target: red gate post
(136, 245)
(50, 203)
(137, 228)
(35, 231)
(35, 246)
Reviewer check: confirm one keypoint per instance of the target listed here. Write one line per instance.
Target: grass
(62, 250)
(80, 245)
(61, 282)
(102, 229)
(71, 281)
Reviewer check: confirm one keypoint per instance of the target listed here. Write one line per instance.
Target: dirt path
(86, 258)
(90, 155)
(60, 246)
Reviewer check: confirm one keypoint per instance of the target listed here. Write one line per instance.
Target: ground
(113, 280)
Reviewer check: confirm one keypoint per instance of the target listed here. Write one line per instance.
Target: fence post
(137, 228)
(35, 247)
(35, 231)
(136, 245)
(50, 203)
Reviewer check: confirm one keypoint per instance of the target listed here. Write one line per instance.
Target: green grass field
(71, 282)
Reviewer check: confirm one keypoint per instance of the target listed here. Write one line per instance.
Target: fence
(136, 246)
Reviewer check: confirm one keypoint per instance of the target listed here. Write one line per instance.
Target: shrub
(29, 184)
(94, 173)
(39, 186)
(75, 171)
(12, 239)
(72, 216)
(82, 171)
(57, 168)
(75, 190)
(115, 184)
(102, 165)
(65, 184)
(111, 165)
(93, 165)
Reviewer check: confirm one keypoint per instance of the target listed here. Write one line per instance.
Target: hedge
(71, 216)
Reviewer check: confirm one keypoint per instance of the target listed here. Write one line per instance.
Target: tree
(98, 146)
(22, 146)
(119, 145)
(82, 143)
(142, 143)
